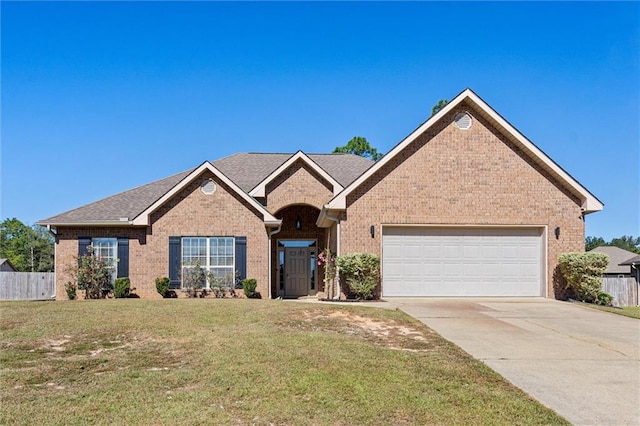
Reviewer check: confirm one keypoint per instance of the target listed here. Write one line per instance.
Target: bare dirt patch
(385, 333)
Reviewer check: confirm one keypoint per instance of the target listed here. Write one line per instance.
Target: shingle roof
(249, 169)
(616, 257)
(633, 260)
(5, 264)
(245, 169)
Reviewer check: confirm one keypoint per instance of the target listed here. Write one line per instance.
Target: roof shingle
(245, 169)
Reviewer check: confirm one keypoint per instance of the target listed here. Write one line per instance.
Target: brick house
(463, 206)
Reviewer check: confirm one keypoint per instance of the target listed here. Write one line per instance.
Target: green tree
(437, 107)
(625, 242)
(359, 146)
(29, 249)
(592, 242)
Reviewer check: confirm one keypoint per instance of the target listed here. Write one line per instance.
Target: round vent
(208, 187)
(463, 121)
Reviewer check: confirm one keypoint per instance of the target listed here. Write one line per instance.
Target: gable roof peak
(589, 203)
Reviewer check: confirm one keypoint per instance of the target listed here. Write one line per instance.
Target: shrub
(362, 273)
(249, 287)
(93, 275)
(194, 279)
(71, 290)
(162, 286)
(121, 288)
(583, 273)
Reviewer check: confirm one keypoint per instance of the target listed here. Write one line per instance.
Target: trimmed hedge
(583, 273)
(362, 273)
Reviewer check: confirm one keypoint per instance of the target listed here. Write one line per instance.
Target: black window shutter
(241, 258)
(175, 261)
(83, 245)
(123, 257)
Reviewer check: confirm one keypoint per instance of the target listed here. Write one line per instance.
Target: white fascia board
(260, 189)
(143, 218)
(589, 202)
(340, 201)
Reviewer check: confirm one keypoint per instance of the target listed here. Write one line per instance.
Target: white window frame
(100, 247)
(208, 257)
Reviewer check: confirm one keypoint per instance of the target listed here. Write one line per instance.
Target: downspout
(271, 234)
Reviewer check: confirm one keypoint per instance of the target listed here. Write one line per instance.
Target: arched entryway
(294, 252)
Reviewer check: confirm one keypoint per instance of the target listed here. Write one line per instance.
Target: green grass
(627, 311)
(173, 362)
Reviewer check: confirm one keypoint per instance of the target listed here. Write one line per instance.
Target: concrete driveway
(582, 363)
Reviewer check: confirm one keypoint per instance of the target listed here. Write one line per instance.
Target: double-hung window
(114, 251)
(215, 255)
(106, 249)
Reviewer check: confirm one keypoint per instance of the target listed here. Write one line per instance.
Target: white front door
(296, 272)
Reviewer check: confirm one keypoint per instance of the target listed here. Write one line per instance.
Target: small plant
(162, 286)
(583, 273)
(71, 290)
(121, 288)
(194, 279)
(362, 273)
(327, 259)
(249, 287)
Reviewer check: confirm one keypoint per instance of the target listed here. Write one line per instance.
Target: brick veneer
(447, 176)
(189, 213)
(298, 184)
(450, 176)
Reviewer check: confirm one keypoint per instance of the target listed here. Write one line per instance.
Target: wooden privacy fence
(623, 289)
(27, 286)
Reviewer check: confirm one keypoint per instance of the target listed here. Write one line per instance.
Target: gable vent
(463, 120)
(208, 187)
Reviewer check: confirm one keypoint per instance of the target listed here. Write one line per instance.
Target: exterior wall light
(298, 224)
(557, 232)
(372, 230)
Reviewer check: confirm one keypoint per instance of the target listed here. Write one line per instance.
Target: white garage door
(461, 261)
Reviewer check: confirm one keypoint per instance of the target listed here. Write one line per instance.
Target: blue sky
(98, 98)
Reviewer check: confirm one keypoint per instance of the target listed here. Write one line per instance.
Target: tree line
(28, 248)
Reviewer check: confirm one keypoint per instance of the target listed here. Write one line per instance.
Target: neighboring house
(6, 266)
(621, 277)
(463, 206)
(617, 256)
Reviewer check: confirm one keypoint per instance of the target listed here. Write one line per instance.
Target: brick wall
(189, 213)
(299, 184)
(466, 177)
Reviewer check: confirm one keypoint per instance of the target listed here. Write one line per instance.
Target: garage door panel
(462, 261)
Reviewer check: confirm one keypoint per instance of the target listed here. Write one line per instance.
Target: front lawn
(209, 361)
(627, 311)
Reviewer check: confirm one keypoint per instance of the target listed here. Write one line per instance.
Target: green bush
(162, 286)
(71, 290)
(583, 273)
(361, 272)
(93, 275)
(121, 288)
(249, 287)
